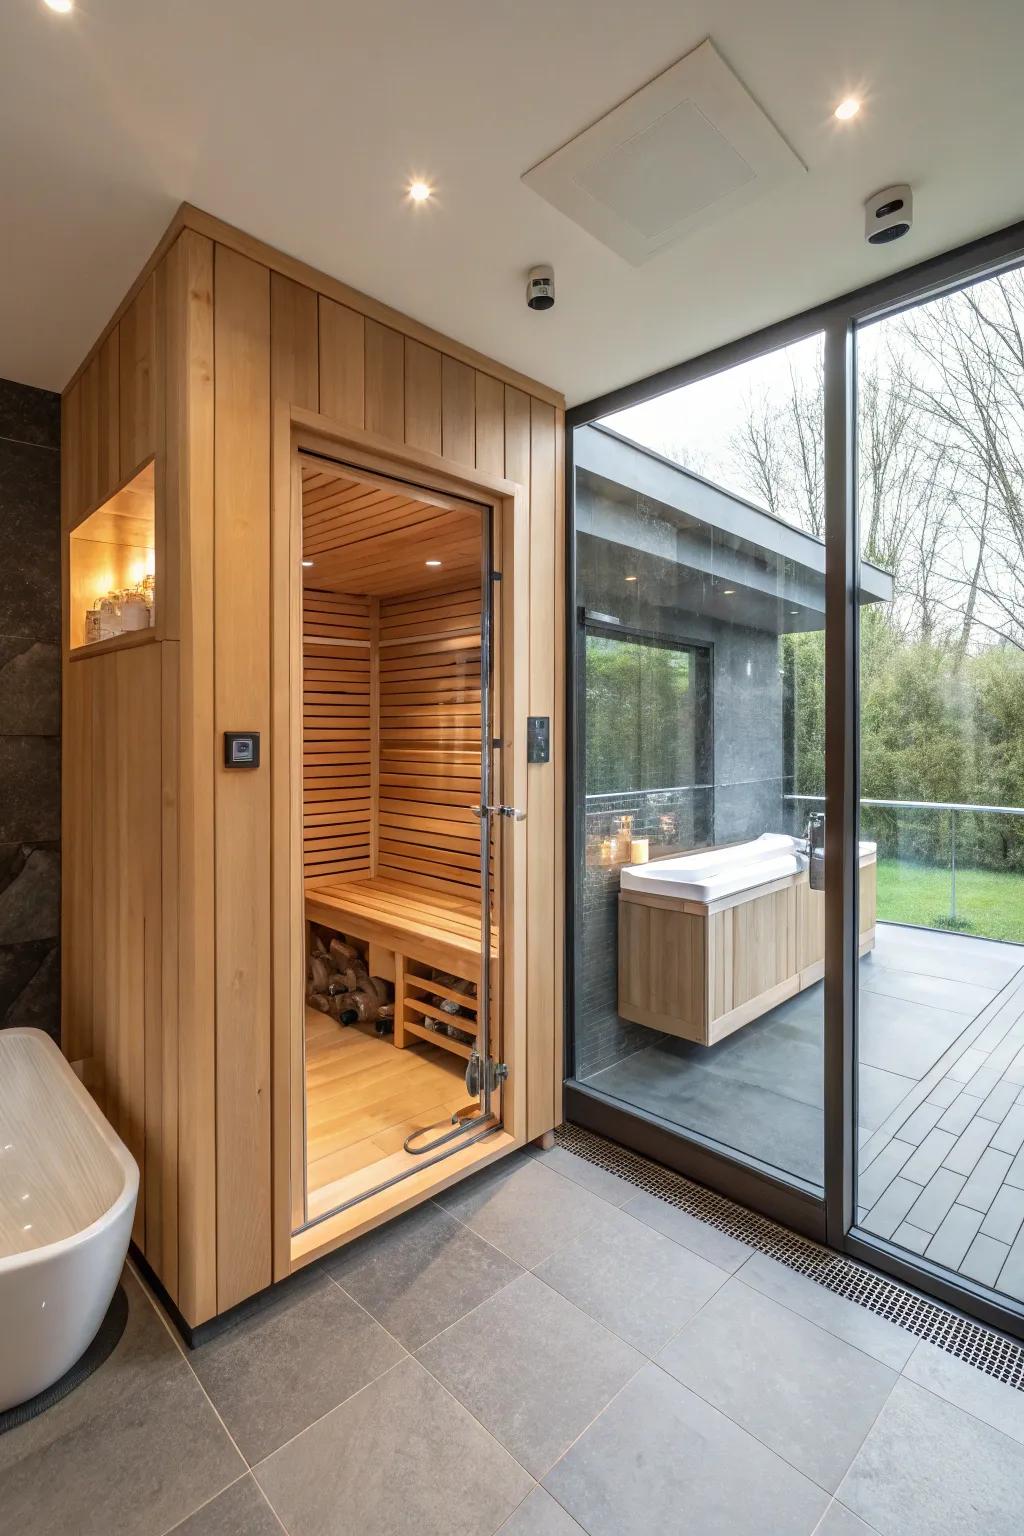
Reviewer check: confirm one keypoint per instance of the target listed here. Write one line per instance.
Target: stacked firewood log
(338, 983)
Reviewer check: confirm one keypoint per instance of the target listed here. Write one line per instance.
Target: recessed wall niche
(112, 568)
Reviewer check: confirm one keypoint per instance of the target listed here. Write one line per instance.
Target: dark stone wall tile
(29, 789)
(29, 687)
(29, 542)
(29, 415)
(29, 893)
(30, 986)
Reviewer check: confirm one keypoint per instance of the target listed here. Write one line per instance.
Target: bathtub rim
(12, 1262)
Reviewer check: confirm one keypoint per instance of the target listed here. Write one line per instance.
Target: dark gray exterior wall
(29, 707)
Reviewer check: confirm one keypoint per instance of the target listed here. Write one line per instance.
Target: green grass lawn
(989, 904)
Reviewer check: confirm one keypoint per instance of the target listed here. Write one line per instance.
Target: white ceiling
(301, 120)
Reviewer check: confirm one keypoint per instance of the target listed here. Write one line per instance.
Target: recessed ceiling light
(307, 562)
(62, 7)
(420, 191)
(847, 108)
(632, 578)
(728, 591)
(431, 562)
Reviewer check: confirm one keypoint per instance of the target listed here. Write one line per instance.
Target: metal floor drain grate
(981, 1347)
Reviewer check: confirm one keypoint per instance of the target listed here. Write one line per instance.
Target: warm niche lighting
(431, 562)
(307, 563)
(420, 191)
(847, 108)
(62, 7)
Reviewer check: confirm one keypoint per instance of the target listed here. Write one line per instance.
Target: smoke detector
(888, 215)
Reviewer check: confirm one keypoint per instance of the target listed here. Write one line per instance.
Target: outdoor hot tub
(711, 939)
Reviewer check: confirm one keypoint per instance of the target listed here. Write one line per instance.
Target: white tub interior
(714, 873)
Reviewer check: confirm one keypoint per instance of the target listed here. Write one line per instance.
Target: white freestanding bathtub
(68, 1188)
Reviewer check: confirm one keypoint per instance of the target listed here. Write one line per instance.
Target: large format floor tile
(290, 1361)
(928, 1468)
(527, 1213)
(641, 1285)
(533, 1368)
(421, 1273)
(840, 1521)
(660, 1459)
(867, 1331)
(241, 1510)
(719, 1248)
(540, 1515)
(964, 1386)
(401, 1458)
(801, 1391)
(598, 1180)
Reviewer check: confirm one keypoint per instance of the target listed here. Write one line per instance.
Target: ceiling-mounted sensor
(888, 215)
(540, 287)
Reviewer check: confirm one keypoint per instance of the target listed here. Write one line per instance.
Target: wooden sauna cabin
(313, 588)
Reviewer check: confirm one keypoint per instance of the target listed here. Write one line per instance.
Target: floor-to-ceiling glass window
(940, 1048)
(700, 604)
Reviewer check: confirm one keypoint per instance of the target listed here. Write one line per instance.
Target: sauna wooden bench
(408, 926)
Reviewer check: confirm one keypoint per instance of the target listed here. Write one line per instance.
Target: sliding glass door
(797, 773)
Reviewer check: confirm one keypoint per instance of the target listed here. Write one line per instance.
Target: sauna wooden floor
(363, 1097)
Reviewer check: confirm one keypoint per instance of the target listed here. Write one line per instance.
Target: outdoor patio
(940, 1096)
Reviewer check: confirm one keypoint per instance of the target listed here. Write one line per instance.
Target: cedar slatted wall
(336, 768)
(430, 740)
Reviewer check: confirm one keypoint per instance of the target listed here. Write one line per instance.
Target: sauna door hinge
(479, 1072)
(510, 812)
(495, 575)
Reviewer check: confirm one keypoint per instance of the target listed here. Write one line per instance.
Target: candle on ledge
(639, 850)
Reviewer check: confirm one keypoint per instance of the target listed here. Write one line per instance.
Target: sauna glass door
(401, 818)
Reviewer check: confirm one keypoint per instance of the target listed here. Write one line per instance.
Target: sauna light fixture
(420, 191)
(431, 562)
(307, 563)
(847, 108)
(62, 7)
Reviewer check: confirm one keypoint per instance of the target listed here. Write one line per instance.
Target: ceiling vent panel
(685, 149)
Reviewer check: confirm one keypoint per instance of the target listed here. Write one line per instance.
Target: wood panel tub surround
(701, 970)
(214, 1221)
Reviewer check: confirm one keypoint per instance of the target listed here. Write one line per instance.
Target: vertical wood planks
(294, 343)
(490, 424)
(385, 381)
(242, 799)
(342, 363)
(422, 396)
(137, 367)
(458, 411)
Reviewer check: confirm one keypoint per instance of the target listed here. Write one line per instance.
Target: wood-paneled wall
(217, 329)
(429, 736)
(336, 753)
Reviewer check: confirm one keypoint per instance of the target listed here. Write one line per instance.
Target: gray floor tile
(874, 1180)
(954, 1236)
(1011, 1276)
(960, 1113)
(598, 1180)
(938, 1195)
(1014, 1073)
(402, 1458)
(660, 1459)
(989, 1173)
(1005, 1215)
(540, 1515)
(1015, 1173)
(995, 1106)
(886, 1215)
(533, 1368)
(965, 1387)
(917, 1125)
(856, 1325)
(289, 1362)
(944, 1092)
(240, 1510)
(983, 1081)
(803, 1392)
(936, 991)
(904, 1037)
(421, 1273)
(136, 1466)
(970, 1144)
(929, 1156)
(984, 1259)
(964, 1068)
(1010, 1135)
(527, 1213)
(840, 1521)
(638, 1283)
(717, 1247)
(914, 1239)
(928, 1468)
(879, 1094)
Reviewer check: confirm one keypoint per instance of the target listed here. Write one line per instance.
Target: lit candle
(639, 850)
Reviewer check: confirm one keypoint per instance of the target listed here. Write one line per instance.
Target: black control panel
(538, 739)
(241, 749)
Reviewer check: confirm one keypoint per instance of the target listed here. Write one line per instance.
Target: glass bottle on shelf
(110, 616)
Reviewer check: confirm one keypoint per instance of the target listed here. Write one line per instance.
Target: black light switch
(241, 749)
(538, 739)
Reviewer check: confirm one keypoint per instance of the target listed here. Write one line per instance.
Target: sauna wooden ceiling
(374, 540)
